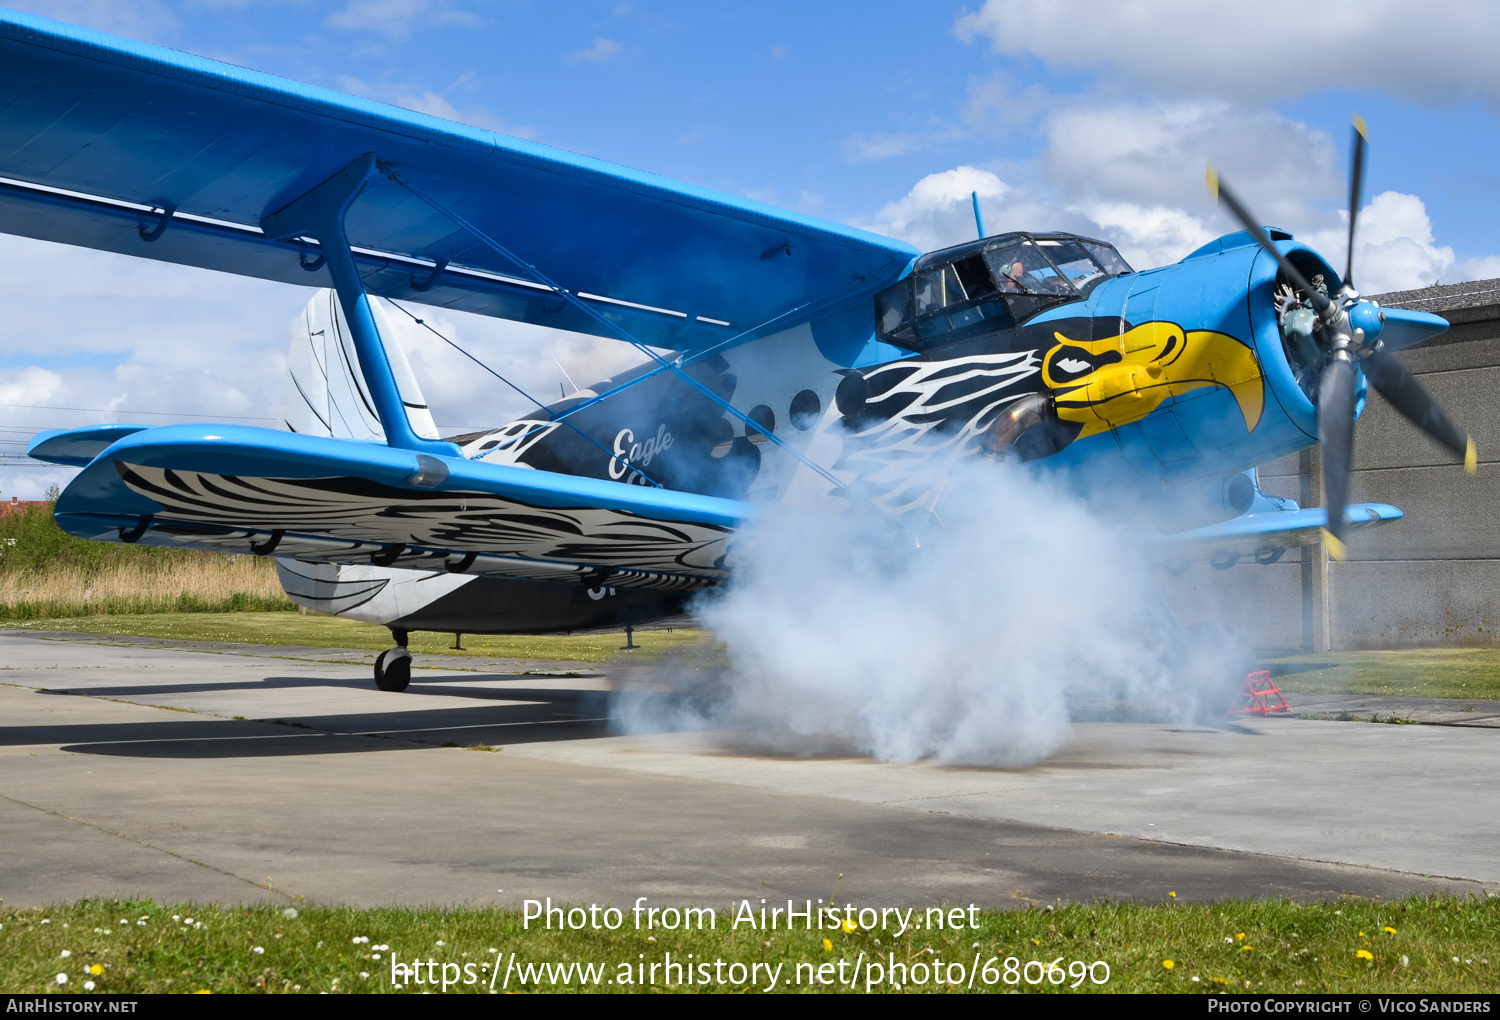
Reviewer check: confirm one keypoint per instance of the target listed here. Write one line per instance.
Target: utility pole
(1316, 633)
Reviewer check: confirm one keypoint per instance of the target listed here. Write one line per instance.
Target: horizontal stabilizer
(76, 447)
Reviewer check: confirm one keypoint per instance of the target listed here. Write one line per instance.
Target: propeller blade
(1356, 182)
(1336, 434)
(1221, 192)
(1406, 395)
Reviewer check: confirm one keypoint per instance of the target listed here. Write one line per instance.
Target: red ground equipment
(1259, 696)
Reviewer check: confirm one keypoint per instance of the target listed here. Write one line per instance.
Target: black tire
(1215, 662)
(393, 670)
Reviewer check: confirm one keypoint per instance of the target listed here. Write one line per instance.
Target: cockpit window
(1022, 269)
(1075, 264)
(1107, 257)
(990, 290)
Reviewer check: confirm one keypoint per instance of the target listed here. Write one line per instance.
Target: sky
(1061, 114)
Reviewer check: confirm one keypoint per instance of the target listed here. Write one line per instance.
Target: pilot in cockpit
(1016, 280)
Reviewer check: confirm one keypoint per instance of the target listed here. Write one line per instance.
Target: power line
(161, 414)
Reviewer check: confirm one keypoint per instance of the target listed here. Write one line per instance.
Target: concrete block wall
(1430, 579)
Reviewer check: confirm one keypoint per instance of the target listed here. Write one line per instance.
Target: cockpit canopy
(989, 285)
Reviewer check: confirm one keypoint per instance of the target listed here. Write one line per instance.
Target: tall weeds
(46, 574)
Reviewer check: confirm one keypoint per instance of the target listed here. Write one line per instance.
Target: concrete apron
(133, 769)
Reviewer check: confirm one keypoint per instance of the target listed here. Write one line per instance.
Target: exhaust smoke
(967, 638)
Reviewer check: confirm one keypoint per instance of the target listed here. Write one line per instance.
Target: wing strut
(320, 213)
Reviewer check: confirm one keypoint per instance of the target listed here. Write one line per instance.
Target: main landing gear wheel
(393, 670)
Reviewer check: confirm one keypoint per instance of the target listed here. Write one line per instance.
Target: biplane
(785, 359)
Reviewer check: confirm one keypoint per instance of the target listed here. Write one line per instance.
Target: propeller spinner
(1346, 347)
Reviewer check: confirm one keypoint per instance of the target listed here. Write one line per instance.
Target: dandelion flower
(1172, 894)
(1364, 954)
(96, 969)
(827, 946)
(1036, 942)
(1168, 964)
(1247, 949)
(1389, 930)
(1361, 934)
(850, 926)
(1241, 937)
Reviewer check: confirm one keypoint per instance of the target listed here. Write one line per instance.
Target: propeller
(1347, 348)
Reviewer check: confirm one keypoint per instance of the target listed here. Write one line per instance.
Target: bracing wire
(614, 327)
(608, 452)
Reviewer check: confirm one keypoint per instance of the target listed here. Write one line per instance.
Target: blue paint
(320, 214)
(269, 453)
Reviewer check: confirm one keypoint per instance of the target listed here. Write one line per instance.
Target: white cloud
(860, 147)
(155, 343)
(395, 19)
(1394, 248)
(1485, 267)
(148, 20)
(1155, 154)
(938, 210)
(1271, 49)
(1132, 174)
(602, 51)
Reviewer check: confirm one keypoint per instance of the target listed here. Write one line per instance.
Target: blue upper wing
(96, 131)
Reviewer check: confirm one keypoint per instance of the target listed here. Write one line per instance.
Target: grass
(46, 573)
(1437, 945)
(1410, 672)
(196, 583)
(338, 632)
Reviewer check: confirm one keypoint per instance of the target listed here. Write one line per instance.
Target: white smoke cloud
(1268, 50)
(970, 642)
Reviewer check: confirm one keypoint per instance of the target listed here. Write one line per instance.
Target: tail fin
(324, 392)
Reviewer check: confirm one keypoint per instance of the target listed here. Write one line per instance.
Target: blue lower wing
(1264, 535)
(237, 489)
